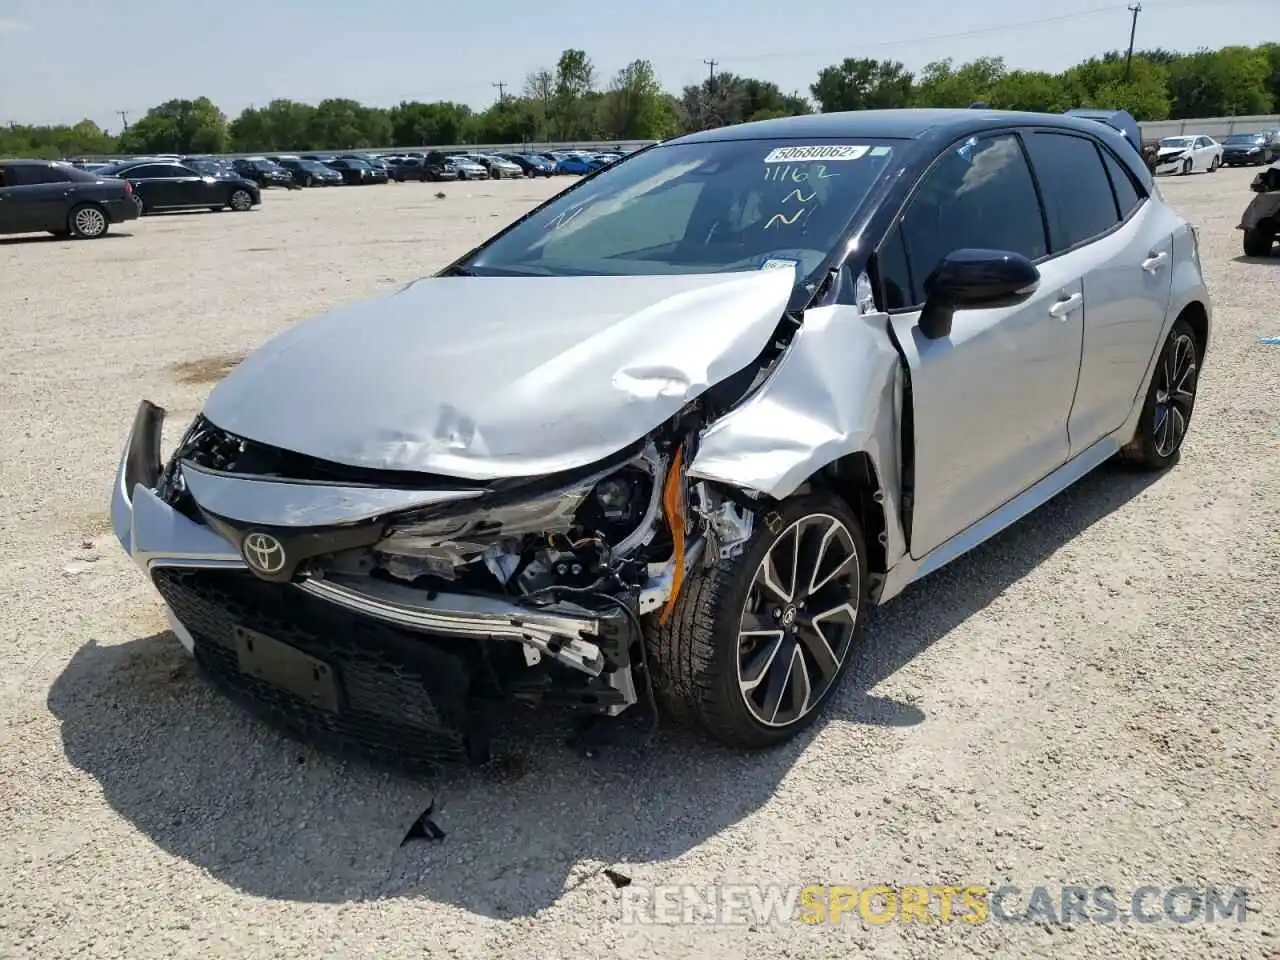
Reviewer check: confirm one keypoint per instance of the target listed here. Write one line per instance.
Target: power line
(1135, 9)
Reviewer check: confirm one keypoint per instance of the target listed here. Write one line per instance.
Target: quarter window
(1077, 192)
(979, 193)
(1127, 195)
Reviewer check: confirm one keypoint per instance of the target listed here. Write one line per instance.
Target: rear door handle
(1155, 262)
(1067, 306)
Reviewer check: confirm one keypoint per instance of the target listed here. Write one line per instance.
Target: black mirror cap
(974, 278)
(982, 278)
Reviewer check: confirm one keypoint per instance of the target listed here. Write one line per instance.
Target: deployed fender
(836, 391)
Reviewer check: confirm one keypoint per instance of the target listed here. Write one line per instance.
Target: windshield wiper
(457, 270)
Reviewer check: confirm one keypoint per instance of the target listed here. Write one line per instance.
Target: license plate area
(288, 668)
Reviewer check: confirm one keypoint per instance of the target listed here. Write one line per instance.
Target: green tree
(635, 106)
(415, 124)
(342, 124)
(942, 84)
(178, 126)
(1030, 90)
(280, 125)
(863, 84)
(1100, 82)
(575, 79)
(55, 142)
(1227, 82)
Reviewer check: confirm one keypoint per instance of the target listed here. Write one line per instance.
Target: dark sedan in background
(309, 173)
(356, 172)
(166, 185)
(531, 164)
(42, 195)
(422, 169)
(264, 172)
(1247, 149)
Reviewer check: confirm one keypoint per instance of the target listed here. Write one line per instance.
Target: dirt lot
(1089, 699)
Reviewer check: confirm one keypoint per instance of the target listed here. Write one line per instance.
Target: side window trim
(895, 224)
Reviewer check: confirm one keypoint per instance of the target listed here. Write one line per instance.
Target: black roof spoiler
(1120, 120)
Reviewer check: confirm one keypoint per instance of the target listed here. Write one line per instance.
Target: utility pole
(502, 92)
(711, 93)
(1135, 9)
(124, 118)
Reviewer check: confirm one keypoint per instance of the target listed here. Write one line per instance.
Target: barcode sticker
(828, 152)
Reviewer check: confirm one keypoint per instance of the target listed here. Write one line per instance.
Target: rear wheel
(86, 221)
(1171, 398)
(1258, 241)
(757, 644)
(1213, 165)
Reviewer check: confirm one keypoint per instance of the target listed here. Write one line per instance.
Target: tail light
(128, 189)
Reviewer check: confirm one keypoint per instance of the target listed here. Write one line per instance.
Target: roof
(887, 124)
(27, 162)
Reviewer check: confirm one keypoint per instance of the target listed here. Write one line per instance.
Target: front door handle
(1155, 262)
(1067, 306)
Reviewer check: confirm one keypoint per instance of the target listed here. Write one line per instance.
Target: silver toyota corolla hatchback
(664, 439)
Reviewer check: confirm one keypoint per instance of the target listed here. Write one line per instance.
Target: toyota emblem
(263, 553)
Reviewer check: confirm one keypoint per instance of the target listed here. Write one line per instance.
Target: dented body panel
(485, 377)
(835, 392)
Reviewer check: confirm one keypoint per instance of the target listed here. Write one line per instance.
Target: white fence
(1216, 127)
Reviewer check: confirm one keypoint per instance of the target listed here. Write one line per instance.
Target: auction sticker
(828, 152)
(777, 263)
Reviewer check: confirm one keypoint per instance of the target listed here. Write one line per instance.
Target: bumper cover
(206, 584)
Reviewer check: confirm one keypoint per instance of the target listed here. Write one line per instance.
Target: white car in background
(1188, 154)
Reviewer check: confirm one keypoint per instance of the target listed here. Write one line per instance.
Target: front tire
(758, 643)
(1171, 399)
(1187, 167)
(240, 201)
(86, 221)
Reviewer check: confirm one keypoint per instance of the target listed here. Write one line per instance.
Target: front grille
(405, 698)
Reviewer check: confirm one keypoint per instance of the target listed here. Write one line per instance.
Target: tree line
(570, 103)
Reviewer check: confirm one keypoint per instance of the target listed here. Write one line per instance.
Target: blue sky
(61, 60)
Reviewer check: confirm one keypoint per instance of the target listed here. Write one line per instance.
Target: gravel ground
(1089, 699)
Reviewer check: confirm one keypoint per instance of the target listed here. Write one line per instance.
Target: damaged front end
(389, 611)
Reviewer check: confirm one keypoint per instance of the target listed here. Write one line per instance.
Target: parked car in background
(495, 167)
(1184, 155)
(357, 172)
(1261, 219)
(264, 172)
(531, 164)
(58, 198)
(421, 169)
(309, 173)
(1248, 150)
(712, 422)
(376, 163)
(467, 169)
(168, 185)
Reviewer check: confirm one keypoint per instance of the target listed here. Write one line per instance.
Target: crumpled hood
(1165, 153)
(486, 377)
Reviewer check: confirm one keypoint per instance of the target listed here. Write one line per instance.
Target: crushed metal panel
(486, 377)
(835, 392)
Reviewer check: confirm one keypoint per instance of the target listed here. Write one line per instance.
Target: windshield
(698, 208)
(1177, 141)
(1243, 138)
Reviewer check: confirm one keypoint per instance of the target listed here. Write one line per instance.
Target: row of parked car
(1194, 153)
(294, 171)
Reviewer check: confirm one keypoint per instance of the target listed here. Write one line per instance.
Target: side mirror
(971, 279)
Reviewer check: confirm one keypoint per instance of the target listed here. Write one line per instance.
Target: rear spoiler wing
(1120, 120)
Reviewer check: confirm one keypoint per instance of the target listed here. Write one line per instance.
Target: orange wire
(673, 506)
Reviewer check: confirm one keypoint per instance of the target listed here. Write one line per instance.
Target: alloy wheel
(799, 619)
(1175, 395)
(90, 222)
(241, 201)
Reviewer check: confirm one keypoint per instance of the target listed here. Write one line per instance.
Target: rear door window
(1074, 184)
(1127, 195)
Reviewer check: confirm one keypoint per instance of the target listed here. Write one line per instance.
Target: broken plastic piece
(424, 828)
